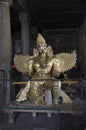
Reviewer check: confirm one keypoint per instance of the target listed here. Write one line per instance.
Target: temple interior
(62, 23)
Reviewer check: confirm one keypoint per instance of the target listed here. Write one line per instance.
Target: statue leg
(55, 87)
(36, 94)
(58, 95)
(56, 92)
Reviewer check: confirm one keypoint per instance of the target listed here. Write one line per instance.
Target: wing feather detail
(23, 63)
(64, 61)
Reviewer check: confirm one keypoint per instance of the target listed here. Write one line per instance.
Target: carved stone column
(25, 36)
(5, 47)
(9, 1)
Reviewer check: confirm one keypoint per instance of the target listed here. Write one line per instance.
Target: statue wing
(23, 63)
(64, 61)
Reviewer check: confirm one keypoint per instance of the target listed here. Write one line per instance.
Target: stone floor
(25, 121)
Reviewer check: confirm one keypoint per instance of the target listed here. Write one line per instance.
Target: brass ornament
(40, 40)
(43, 67)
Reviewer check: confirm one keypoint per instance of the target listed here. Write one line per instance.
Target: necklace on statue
(43, 63)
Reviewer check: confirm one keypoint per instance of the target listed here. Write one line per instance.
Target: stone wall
(82, 48)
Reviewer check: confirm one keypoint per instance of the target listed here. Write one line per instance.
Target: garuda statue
(43, 65)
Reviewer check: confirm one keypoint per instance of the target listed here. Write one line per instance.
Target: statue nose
(42, 49)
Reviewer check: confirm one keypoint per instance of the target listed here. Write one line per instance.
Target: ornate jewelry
(44, 63)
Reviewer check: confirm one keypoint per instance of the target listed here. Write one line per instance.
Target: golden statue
(43, 65)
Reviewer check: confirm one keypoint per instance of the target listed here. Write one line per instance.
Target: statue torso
(43, 67)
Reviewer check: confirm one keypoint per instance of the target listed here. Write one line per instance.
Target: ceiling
(53, 14)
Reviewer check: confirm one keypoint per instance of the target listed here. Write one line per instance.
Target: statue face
(42, 48)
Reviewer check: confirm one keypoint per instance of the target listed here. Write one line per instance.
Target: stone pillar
(5, 46)
(82, 39)
(25, 36)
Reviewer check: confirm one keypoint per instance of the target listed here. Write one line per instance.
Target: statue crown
(40, 40)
